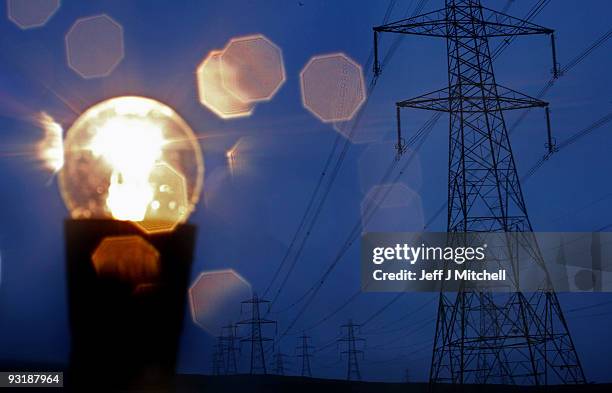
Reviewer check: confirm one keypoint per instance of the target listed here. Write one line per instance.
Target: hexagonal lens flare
(28, 14)
(94, 46)
(212, 92)
(252, 68)
(215, 298)
(333, 87)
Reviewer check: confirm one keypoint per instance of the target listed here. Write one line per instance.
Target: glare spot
(129, 191)
(50, 150)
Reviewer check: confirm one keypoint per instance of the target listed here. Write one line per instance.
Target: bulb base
(127, 297)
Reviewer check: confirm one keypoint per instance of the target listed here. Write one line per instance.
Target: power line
(562, 72)
(354, 234)
(533, 12)
(334, 173)
(568, 142)
(589, 306)
(320, 181)
(410, 313)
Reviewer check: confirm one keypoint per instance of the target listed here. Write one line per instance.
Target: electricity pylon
(303, 351)
(255, 337)
(218, 363)
(350, 338)
(230, 338)
(279, 362)
(481, 338)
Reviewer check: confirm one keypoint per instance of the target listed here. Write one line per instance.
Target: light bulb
(135, 159)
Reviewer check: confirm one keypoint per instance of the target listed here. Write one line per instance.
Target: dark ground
(192, 383)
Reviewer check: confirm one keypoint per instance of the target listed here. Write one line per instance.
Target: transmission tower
(218, 363)
(350, 338)
(303, 351)
(279, 363)
(255, 337)
(230, 339)
(481, 338)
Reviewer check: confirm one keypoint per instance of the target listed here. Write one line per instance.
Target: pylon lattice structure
(279, 363)
(303, 351)
(218, 362)
(230, 346)
(255, 337)
(352, 352)
(481, 338)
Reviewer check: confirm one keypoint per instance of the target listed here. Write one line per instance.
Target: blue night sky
(246, 219)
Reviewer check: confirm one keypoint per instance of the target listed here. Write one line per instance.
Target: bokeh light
(399, 209)
(50, 149)
(132, 158)
(31, 13)
(252, 68)
(215, 298)
(213, 94)
(128, 258)
(333, 87)
(94, 46)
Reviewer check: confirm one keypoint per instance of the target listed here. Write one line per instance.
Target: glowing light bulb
(132, 158)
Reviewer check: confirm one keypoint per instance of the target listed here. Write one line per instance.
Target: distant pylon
(303, 351)
(279, 363)
(230, 338)
(407, 375)
(255, 337)
(596, 258)
(353, 372)
(218, 363)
